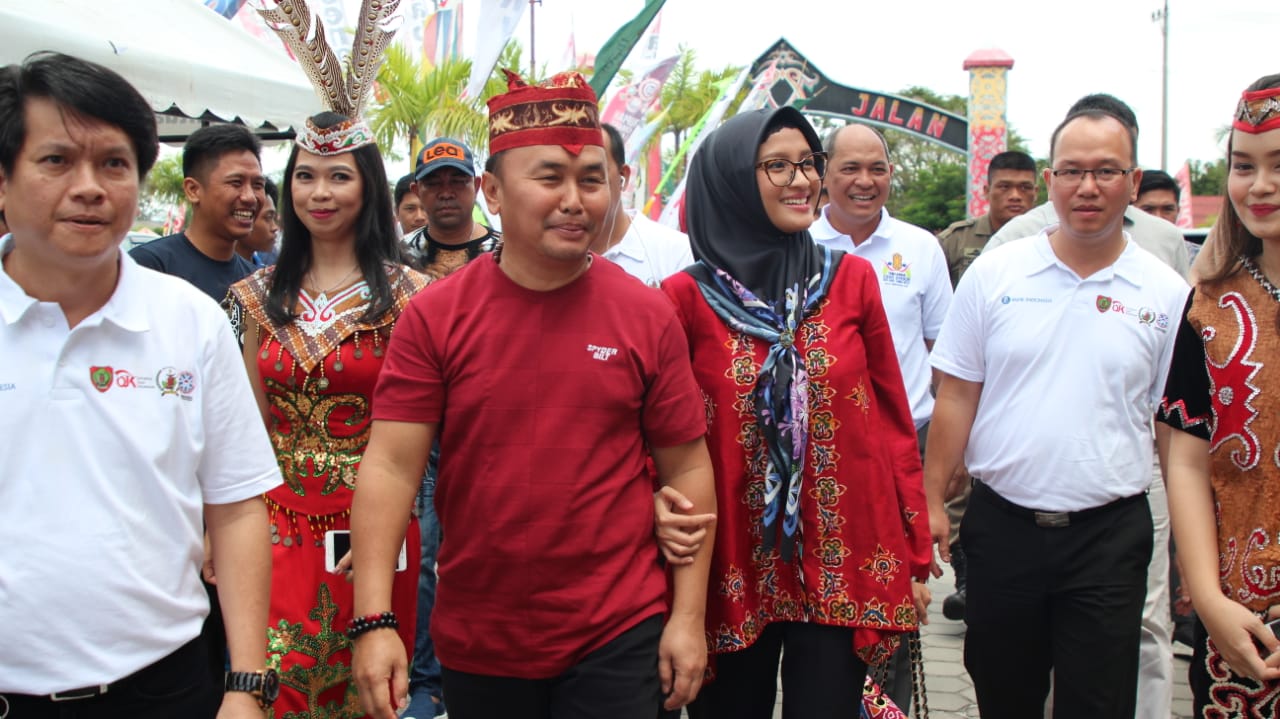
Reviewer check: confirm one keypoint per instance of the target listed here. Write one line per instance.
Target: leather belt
(72, 695)
(1050, 520)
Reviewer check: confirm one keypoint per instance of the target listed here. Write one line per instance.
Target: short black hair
(1096, 114)
(617, 152)
(402, 188)
(79, 88)
(208, 144)
(1108, 104)
(493, 162)
(272, 190)
(1011, 160)
(1159, 180)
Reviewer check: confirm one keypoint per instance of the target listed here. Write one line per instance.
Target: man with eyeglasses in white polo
(1052, 361)
(1162, 239)
(914, 282)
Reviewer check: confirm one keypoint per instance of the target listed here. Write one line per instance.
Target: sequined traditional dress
(318, 374)
(1224, 386)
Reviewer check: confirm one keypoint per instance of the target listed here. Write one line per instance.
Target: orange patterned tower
(988, 128)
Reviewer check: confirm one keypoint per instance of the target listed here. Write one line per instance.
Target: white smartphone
(337, 542)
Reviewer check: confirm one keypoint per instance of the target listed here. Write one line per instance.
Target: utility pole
(533, 62)
(1162, 16)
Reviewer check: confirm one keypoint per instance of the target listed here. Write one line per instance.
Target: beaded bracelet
(369, 622)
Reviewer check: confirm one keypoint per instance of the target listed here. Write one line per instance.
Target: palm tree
(417, 103)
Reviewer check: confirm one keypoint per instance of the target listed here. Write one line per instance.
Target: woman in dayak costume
(1223, 395)
(316, 326)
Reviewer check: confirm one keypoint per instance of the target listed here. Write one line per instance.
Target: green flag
(616, 49)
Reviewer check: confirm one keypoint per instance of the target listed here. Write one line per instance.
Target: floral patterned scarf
(782, 386)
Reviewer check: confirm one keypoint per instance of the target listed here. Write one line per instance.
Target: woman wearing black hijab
(822, 526)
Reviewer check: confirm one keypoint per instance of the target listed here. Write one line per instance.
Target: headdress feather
(343, 92)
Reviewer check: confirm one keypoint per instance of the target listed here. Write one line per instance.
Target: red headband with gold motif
(561, 111)
(1258, 111)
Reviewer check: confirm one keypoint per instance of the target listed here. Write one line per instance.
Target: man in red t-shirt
(547, 378)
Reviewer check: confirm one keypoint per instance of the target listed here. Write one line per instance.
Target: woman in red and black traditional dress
(822, 538)
(1223, 394)
(316, 326)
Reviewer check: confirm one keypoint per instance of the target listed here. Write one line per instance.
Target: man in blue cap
(445, 181)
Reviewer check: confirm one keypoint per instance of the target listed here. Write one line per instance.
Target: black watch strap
(265, 686)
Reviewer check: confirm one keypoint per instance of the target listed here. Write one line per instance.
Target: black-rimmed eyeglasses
(782, 172)
(1102, 175)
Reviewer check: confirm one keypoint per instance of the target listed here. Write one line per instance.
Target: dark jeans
(424, 678)
(177, 686)
(821, 676)
(1066, 600)
(616, 681)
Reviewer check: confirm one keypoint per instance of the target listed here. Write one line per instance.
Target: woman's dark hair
(1235, 240)
(376, 241)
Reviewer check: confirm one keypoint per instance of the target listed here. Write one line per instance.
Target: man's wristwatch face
(263, 685)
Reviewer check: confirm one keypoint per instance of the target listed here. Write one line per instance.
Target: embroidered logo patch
(172, 381)
(602, 353)
(896, 272)
(1144, 315)
(101, 378)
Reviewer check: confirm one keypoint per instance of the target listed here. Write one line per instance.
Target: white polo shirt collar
(823, 231)
(1127, 267)
(126, 308)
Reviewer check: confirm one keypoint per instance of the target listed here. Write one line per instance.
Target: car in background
(134, 239)
(1194, 237)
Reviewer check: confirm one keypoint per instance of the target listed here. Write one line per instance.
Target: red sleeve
(673, 407)
(900, 431)
(410, 386)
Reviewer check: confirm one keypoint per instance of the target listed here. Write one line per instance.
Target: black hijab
(728, 226)
(761, 282)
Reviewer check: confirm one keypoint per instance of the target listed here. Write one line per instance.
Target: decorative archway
(799, 83)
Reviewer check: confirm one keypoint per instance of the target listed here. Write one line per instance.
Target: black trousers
(821, 676)
(1062, 599)
(616, 681)
(177, 686)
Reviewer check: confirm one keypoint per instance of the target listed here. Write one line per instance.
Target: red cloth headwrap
(562, 111)
(1258, 111)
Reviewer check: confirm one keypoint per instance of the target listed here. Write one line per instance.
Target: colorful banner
(225, 8)
(498, 20)
(629, 105)
(708, 122)
(640, 138)
(442, 34)
(415, 14)
(1183, 178)
(616, 48)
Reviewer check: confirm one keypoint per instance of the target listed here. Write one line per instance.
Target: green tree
(415, 102)
(1208, 178)
(688, 93)
(936, 198)
(164, 182)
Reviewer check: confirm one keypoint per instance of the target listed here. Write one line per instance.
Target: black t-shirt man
(175, 255)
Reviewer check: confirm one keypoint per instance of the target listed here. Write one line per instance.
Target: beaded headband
(561, 111)
(1258, 111)
(341, 92)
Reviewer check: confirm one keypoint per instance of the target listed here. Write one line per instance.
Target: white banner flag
(498, 20)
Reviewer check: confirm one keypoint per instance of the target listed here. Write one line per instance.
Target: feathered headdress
(343, 92)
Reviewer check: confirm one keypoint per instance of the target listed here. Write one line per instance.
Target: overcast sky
(1061, 50)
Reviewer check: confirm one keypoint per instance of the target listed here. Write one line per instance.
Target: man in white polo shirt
(1162, 239)
(644, 249)
(127, 419)
(1052, 361)
(914, 280)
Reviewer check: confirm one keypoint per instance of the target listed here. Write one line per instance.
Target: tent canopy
(186, 60)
